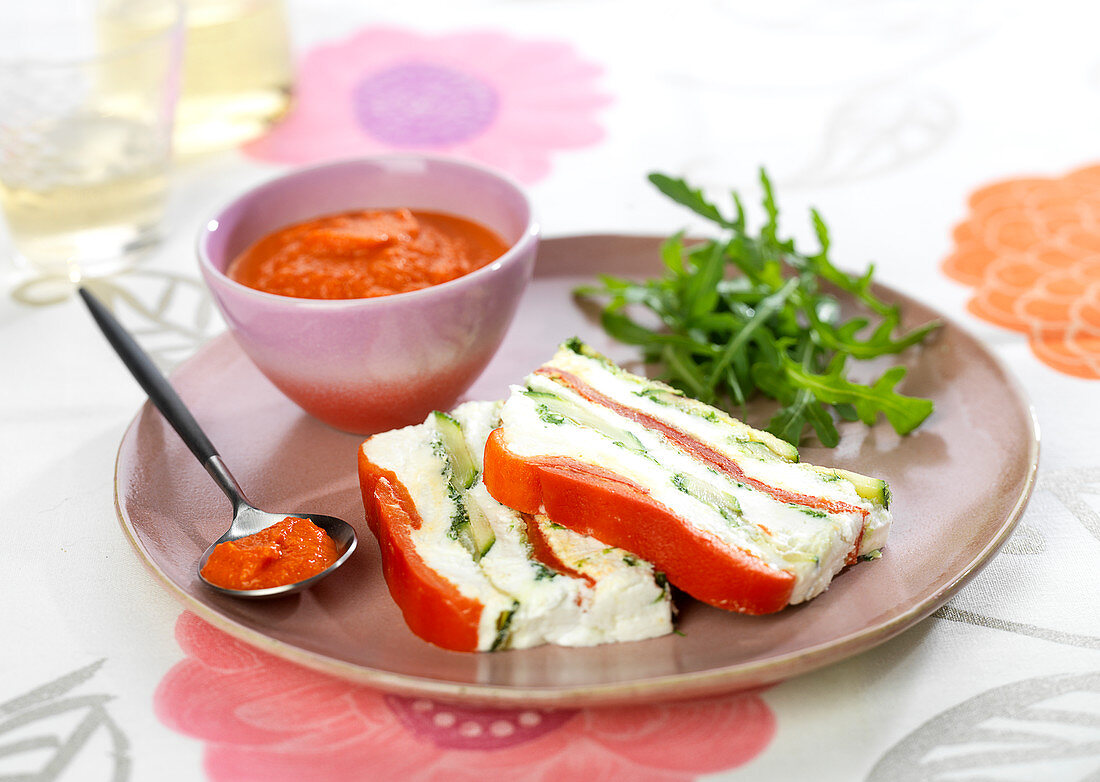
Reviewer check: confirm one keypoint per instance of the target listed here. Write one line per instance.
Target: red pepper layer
(433, 607)
(543, 552)
(694, 447)
(596, 502)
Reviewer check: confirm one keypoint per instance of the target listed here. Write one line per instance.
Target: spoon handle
(162, 395)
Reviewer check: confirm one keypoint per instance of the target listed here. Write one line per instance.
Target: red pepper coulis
(289, 551)
(366, 253)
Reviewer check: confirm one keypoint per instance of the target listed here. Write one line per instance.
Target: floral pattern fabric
(264, 718)
(1031, 250)
(485, 96)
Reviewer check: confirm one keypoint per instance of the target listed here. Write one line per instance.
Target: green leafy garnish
(751, 313)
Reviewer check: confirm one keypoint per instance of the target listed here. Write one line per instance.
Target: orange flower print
(1031, 250)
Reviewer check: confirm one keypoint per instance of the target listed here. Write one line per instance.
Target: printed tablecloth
(954, 143)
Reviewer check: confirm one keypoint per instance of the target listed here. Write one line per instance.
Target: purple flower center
(418, 104)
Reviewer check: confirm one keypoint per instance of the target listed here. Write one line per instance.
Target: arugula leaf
(750, 313)
(702, 287)
(678, 191)
(903, 412)
(734, 347)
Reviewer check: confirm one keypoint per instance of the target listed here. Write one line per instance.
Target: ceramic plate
(959, 485)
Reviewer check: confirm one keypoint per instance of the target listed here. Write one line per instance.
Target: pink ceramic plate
(959, 486)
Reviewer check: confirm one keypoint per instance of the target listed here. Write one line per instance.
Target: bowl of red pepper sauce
(375, 290)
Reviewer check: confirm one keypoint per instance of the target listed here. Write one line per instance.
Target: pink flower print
(264, 718)
(483, 96)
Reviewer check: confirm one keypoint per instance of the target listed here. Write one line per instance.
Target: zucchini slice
(478, 532)
(566, 408)
(722, 501)
(874, 489)
(463, 467)
(470, 525)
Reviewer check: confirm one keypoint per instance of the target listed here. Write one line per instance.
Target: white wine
(237, 73)
(85, 131)
(92, 199)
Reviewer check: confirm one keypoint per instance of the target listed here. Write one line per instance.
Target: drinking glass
(87, 95)
(238, 73)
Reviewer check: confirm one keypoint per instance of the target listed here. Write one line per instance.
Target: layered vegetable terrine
(726, 511)
(470, 574)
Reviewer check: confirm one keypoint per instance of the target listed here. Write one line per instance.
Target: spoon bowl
(247, 518)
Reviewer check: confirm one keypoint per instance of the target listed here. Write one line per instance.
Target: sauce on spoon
(292, 550)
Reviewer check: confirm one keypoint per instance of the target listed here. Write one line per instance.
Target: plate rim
(671, 687)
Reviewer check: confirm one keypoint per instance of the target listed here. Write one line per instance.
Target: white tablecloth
(886, 117)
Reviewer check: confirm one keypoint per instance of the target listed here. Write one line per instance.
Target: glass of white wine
(238, 73)
(86, 121)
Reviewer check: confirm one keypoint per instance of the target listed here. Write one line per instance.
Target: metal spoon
(247, 519)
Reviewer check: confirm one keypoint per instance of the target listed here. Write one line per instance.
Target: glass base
(223, 122)
(94, 252)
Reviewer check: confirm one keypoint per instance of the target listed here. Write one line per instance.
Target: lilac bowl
(366, 365)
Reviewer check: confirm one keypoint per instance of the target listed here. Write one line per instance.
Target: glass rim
(173, 29)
